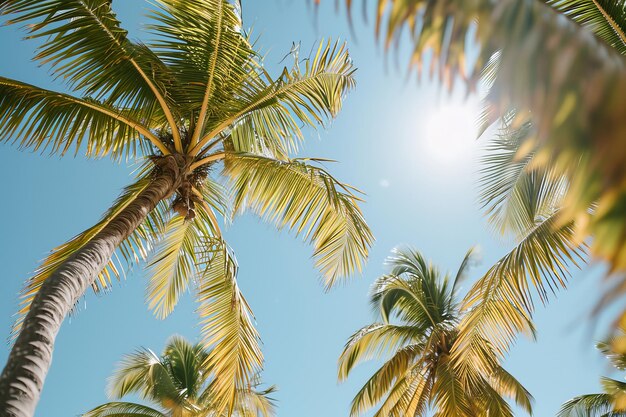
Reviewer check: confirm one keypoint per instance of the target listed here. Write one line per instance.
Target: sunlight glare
(450, 132)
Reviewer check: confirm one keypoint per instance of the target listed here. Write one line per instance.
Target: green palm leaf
(500, 304)
(590, 405)
(307, 200)
(375, 389)
(41, 119)
(312, 94)
(204, 45)
(515, 192)
(86, 46)
(123, 409)
(227, 327)
(606, 18)
(174, 263)
(147, 375)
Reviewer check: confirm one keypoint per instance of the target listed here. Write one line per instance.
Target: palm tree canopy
(176, 384)
(419, 314)
(196, 94)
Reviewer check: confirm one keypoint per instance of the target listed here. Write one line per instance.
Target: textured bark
(30, 358)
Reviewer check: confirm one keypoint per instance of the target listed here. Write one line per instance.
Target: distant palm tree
(178, 385)
(419, 314)
(610, 403)
(194, 97)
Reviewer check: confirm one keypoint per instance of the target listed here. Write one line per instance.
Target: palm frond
(85, 45)
(374, 341)
(590, 405)
(450, 398)
(255, 403)
(174, 263)
(471, 258)
(515, 194)
(184, 364)
(123, 409)
(508, 386)
(309, 201)
(617, 358)
(147, 375)
(500, 304)
(606, 18)
(134, 249)
(491, 403)
(43, 120)
(379, 384)
(414, 386)
(204, 45)
(310, 95)
(227, 327)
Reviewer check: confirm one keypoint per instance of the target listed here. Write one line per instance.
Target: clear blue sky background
(390, 143)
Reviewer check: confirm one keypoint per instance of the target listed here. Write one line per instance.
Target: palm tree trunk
(30, 358)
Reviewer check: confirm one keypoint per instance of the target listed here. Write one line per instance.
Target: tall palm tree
(566, 78)
(610, 403)
(177, 384)
(419, 316)
(192, 100)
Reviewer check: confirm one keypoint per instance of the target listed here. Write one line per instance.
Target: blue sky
(408, 145)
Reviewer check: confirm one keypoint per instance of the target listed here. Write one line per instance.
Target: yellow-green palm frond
(606, 18)
(309, 201)
(375, 341)
(227, 327)
(516, 194)
(611, 351)
(145, 374)
(86, 47)
(508, 386)
(184, 363)
(390, 373)
(590, 405)
(173, 265)
(491, 403)
(180, 383)
(413, 398)
(44, 120)
(449, 394)
(310, 92)
(123, 409)
(255, 403)
(133, 249)
(174, 262)
(204, 44)
(415, 385)
(500, 304)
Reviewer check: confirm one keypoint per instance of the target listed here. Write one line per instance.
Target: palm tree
(610, 403)
(195, 98)
(419, 316)
(566, 78)
(177, 384)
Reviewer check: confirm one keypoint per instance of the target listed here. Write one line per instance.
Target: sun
(449, 132)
